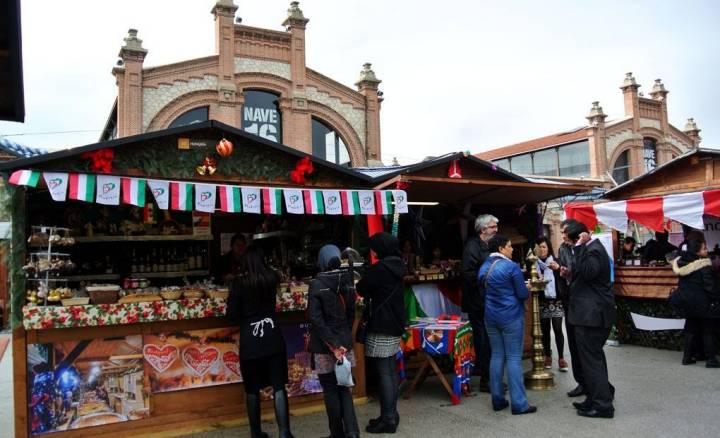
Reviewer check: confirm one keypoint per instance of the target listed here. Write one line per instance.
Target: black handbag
(361, 332)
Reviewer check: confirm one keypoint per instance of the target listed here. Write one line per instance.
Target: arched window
(327, 144)
(621, 169)
(195, 115)
(649, 153)
(261, 115)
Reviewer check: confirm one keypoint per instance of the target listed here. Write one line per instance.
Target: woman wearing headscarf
(263, 357)
(504, 287)
(331, 310)
(382, 289)
(696, 286)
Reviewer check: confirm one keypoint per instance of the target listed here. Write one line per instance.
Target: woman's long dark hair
(690, 254)
(546, 241)
(258, 284)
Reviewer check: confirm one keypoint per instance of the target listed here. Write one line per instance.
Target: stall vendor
(656, 249)
(232, 262)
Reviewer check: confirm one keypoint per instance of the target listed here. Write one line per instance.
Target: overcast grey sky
(457, 75)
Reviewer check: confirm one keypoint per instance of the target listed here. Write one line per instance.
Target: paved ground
(656, 397)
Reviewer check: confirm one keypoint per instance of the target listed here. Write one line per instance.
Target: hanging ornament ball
(224, 148)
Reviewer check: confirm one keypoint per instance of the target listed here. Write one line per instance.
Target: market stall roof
(472, 180)
(17, 150)
(12, 100)
(209, 130)
(677, 175)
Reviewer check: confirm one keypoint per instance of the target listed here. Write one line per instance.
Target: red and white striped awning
(686, 208)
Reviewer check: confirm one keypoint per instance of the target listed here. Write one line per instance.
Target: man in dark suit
(591, 314)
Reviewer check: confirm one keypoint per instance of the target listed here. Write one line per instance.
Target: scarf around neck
(548, 275)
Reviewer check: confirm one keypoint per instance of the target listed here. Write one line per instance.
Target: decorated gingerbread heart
(160, 358)
(231, 360)
(200, 360)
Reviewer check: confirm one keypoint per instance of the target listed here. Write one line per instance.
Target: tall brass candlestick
(537, 378)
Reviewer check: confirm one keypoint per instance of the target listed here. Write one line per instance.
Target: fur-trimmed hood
(691, 267)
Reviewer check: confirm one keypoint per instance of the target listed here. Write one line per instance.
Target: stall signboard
(78, 384)
(301, 378)
(192, 359)
(712, 232)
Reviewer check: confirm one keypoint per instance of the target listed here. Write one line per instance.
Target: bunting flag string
(188, 196)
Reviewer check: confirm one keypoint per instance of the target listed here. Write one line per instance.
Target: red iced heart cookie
(160, 358)
(200, 361)
(231, 360)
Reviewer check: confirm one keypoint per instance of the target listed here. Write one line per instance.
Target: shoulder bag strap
(489, 272)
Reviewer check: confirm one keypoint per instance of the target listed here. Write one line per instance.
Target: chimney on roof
(630, 94)
(596, 116)
(693, 131)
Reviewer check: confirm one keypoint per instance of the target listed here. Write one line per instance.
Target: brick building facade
(607, 151)
(256, 80)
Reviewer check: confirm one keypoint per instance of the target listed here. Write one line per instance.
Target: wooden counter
(644, 282)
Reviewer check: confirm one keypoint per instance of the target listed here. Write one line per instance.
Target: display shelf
(144, 238)
(173, 274)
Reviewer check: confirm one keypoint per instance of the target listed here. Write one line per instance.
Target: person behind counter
(551, 304)
(628, 249)
(696, 289)
(382, 287)
(331, 310)
(232, 262)
(656, 249)
(263, 357)
(503, 285)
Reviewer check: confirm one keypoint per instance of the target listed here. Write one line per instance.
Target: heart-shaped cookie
(160, 358)
(200, 360)
(231, 360)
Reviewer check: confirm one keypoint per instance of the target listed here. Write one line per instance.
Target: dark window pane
(261, 115)
(649, 154)
(575, 159)
(621, 169)
(503, 164)
(196, 115)
(521, 164)
(545, 162)
(327, 144)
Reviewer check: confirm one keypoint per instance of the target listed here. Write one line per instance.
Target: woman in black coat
(263, 357)
(696, 286)
(331, 310)
(382, 288)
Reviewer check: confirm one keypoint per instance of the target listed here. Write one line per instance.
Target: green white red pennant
(25, 178)
(313, 202)
(272, 200)
(181, 195)
(133, 191)
(350, 202)
(81, 187)
(383, 202)
(230, 199)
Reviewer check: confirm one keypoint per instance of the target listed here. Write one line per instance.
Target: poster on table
(78, 384)
(192, 359)
(301, 378)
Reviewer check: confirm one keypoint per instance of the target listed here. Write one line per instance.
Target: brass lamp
(537, 378)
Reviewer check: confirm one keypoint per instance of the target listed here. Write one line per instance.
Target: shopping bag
(343, 372)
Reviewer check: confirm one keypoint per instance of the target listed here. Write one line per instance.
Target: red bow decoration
(100, 160)
(454, 171)
(303, 168)
(402, 185)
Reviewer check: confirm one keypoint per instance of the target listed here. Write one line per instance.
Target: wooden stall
(683, 190)
(142, 224)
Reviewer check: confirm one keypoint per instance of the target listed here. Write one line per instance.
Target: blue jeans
(506, 344)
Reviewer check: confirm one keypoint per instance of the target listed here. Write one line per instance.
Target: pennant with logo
(57, 185)
(25, 178)
(333, 205)
(313, 202)
(383, 202)
(133, 191)
(294, 201)
(367, 201)
(230, 199)
(250, 199)
(205, 197)
(400, 198)
(81, 187)
(272, 201)
(350, 202)
(161, 192)
(181, 196)
(108, 190)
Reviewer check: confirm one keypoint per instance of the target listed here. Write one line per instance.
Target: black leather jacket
(331, 310)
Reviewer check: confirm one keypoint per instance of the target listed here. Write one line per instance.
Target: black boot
(688, 347)
(282, 413)
(252, 401)
(333, 408)
(348, 412)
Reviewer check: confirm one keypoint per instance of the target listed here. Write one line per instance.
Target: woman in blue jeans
(501, 280)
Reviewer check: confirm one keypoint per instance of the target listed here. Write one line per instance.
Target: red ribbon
(100, 160)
